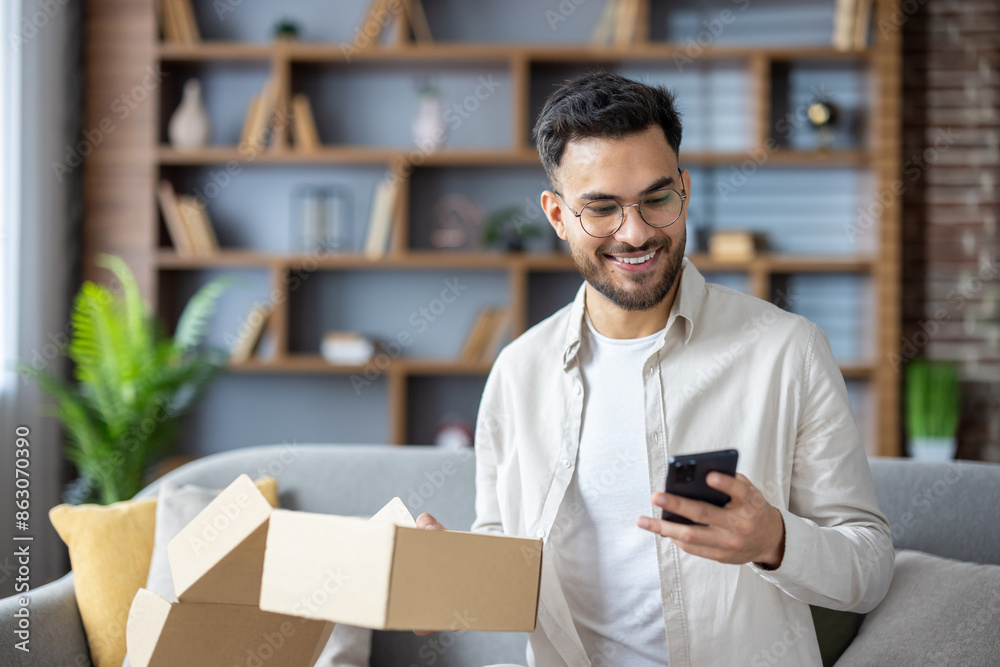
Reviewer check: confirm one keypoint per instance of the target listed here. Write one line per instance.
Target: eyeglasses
(602, 218)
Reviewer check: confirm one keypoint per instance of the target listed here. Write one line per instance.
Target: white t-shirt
(606, 564)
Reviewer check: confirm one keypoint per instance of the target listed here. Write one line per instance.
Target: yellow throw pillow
(109, 550)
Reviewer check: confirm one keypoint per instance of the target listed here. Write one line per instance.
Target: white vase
(188, 127)
(430, 129)
(932, 449)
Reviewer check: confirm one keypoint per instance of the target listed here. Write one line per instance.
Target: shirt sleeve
(838, 546)
(488, 438)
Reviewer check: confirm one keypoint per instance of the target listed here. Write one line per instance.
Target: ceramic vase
(430, 129)
(188, 127)
(932, 449)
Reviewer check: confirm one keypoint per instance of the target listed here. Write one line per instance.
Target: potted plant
(507, 227)
(132, 382)
(932, 409)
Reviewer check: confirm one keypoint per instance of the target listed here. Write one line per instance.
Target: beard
(642, 291)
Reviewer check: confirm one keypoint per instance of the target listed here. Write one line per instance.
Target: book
(188, 23)
(843, 24)
(262, 115)
(176, 226)
(374, 17)
(485, 337)
(198, 225)
(249, 334)
(250, 120)
(384, 204)
(604, 31)
(862, 23)
(418, 21)
(496, 335)
(178, 23)
(304, 124)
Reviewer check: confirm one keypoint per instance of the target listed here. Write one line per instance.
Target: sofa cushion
(938, 611)
(110, 548)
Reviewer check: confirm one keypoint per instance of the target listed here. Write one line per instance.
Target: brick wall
(951, 167)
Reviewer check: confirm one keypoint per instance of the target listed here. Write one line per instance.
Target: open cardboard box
(216, 563)
(255, 581)
(388, 576)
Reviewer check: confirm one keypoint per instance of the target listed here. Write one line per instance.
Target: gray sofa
(931, 507)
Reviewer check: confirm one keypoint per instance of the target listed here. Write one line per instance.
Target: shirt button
(579, 390)
(652, 371)
(566, 463)
(540, 533)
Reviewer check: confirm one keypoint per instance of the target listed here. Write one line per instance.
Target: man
(580, 414)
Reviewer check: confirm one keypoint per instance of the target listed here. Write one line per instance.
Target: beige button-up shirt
(729, 371)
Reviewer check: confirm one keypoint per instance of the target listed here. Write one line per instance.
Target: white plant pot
(430, 129)
(932, 449)
(188, 127)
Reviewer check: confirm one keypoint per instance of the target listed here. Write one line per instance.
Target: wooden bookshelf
(124, 219)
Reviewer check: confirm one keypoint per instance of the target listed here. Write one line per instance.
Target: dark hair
(602, 104)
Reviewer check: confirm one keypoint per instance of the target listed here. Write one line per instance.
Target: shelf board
(353, 155)
(480, 52)
(420, 259)
(315, 364)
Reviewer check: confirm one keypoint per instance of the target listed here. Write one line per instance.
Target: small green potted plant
(132, 383)
(507, 228)
(932, 409)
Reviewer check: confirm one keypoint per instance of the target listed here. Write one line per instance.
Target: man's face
(624, 170)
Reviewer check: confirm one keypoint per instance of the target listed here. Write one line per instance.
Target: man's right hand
(427, 522)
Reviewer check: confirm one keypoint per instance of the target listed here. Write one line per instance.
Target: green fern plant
(133, 382)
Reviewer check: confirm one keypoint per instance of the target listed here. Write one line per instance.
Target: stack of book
(486, 336)
(187, 223)
(177, 22)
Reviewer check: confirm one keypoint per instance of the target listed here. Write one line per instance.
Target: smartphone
(686, 477)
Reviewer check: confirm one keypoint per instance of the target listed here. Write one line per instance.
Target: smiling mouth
(635, 260)
(633, 263)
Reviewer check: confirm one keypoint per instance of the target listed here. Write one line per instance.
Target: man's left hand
(747, 529)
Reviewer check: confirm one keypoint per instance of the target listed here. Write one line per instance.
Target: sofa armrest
(56, 639)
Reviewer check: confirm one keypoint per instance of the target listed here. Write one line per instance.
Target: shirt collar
(690, 293)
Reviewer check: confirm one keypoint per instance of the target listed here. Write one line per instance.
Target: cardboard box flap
(328, 567)
(146, 616)
(441, 578)
(395, 512)
(218, 557)
(194, 634)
